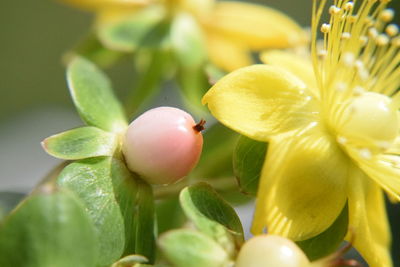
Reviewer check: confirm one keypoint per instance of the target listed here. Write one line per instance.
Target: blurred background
(34, 101)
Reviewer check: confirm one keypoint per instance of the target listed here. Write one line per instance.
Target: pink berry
(163, 145)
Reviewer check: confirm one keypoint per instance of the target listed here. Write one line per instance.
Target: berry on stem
(163, 145)
(271, 250)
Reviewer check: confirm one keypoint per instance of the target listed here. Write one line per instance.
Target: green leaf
(91, 181)
(189, 248)
(328, 241)
(187, 41)
(93, 96)
(80, 143)
(248, 160)
(120, 205)
(127, 35)
(213, 216)
(50, 228)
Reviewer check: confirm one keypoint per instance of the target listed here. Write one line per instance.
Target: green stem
(149, 81)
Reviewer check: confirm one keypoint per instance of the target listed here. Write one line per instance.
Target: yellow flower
(231, 29)
(333, 127)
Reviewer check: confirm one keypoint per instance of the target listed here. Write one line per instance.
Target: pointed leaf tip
(80, 143)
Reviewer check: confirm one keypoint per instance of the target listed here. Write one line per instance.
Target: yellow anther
(382, 40)
(396, 42)
(359, 64)
(363, 40)
(372, 33)
(392, 30)
(349, 6)
(334, 10)
(352, 18)
(387, 15)
(325, 28)
(369, 21)
(322, 53)
(346, 35)
(348, 58)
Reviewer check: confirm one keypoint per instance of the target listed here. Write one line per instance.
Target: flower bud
(163, 145)
(271, 250)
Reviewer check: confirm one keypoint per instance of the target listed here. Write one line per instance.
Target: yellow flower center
(357, 72)
(369, 120)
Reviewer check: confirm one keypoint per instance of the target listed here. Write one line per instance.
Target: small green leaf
(80, 143)
(187, 41)
(248, 160)
(213, 216)
(91, 181)
(127, 35)
(50, 228)
(129, 261)
(189, 248)
(328, 241)
(93, 96)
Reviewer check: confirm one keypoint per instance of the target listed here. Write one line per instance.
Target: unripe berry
(163, 145)
(271, 250)
(371, 119)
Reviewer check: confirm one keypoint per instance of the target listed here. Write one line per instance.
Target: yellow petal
(384, 169)
(369, 228)
(254, 25)
(105, 4)
(299, 66)
(395, 148)
(199, 8)
(261, 101)
(303, 185)
(227, 54)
